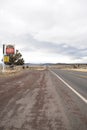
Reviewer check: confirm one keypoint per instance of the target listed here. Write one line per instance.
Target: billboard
(10, 49)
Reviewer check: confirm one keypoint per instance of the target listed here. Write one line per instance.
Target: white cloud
(40, 25)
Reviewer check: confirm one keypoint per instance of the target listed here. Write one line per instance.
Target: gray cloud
(46, 27)
(52, 48)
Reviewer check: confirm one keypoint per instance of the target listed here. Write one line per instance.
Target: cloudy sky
(45, 30)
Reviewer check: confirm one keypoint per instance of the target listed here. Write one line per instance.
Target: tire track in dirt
(47, 113)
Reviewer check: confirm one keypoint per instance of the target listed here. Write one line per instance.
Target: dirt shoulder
(30, 102)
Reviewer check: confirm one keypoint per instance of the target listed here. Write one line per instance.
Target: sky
(45, 31)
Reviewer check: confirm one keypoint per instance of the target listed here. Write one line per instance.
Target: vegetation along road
(44, 100)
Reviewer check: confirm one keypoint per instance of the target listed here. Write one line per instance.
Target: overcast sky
(45, 30)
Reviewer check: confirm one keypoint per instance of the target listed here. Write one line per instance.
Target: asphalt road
(73, 84)
(76, 79)
(40, 100)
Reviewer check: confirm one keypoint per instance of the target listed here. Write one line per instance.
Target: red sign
(10, 49)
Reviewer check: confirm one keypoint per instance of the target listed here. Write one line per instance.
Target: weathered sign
(10, 49)
(6, 58)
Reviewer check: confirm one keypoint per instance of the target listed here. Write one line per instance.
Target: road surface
(77, 80)
(39, 100)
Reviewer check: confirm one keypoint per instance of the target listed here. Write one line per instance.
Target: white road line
(79, 95)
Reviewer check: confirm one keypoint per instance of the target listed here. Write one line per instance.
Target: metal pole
(3, 64)
(3, 70)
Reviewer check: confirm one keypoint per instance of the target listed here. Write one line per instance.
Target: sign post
(3, 70)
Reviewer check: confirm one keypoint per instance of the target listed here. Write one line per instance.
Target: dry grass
(81, 69)
(18, 69)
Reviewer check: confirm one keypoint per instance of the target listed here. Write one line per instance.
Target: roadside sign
(6, 58)
(10, 49)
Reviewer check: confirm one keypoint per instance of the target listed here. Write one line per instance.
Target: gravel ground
(30, 101)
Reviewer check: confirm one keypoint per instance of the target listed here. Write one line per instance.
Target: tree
(15, 59)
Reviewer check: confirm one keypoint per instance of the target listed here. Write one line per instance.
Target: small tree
(15, 59)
